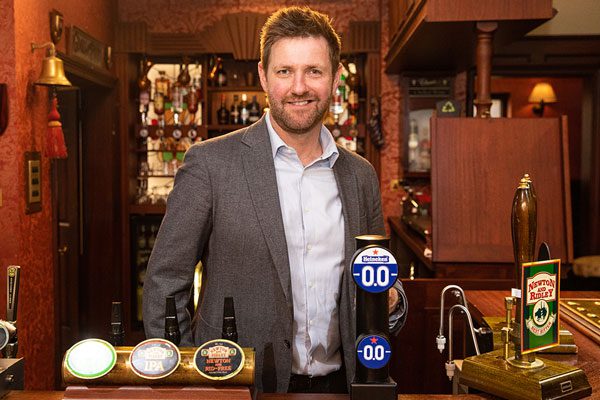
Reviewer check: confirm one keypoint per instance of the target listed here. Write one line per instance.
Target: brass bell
(53, 71)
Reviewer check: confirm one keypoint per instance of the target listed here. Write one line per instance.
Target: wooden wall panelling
(373, 85)
(175, 44)
(131, 37)
(476, 166)
(126, 69)
(594, 179)
(363, 37)
(416, 365)
(244, 31)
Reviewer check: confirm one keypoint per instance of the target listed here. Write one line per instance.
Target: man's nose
(299, 85)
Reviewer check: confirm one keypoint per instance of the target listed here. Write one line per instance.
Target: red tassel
(55, 139)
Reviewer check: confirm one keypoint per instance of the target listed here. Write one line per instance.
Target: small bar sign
(429, 87)
(86, 48)
(540, 315)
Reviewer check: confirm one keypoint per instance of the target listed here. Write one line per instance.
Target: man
(272, 211)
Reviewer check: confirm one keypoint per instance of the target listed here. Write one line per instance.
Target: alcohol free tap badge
(374, 269)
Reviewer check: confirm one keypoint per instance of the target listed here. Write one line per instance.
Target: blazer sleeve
(179, 246)
(399, 315)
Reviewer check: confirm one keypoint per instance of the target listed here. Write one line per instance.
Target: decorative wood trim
(363, 37)
(176, 44)
(85, 71)
(552, 54)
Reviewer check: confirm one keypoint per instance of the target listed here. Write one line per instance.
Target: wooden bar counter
(491, 303)
(39, 395)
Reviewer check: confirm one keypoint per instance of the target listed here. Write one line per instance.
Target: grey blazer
(224, 210)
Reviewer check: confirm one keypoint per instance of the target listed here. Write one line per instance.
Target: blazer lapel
(259, 170)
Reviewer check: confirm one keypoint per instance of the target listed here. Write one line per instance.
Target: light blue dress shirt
(314, 230)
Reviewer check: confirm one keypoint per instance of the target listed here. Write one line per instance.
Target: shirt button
(306, 210)
(309, 247)
(287, 343)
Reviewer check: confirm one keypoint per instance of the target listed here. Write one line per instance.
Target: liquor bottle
(163, 85)
(234, 113)
(144, 86)
(218, 76)
(222, 112)
(244, 112)
(184, 74)
(142, 241)
(192, 101)
(413, 146)
(152, 237)
(254, 111)
(353, 82)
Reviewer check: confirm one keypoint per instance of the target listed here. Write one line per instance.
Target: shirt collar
(330, 151)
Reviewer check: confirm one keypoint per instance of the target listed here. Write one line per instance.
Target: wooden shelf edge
(147, 209)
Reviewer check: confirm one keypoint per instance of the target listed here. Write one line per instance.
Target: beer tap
(172, 332)
(229, 331)
(12, 301)
(450, 366)
(457, 292)
(117, 334)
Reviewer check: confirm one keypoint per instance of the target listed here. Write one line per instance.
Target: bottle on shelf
(222, 112)
(192, 109)
(218, 76)
(413, 146)
(234, 112)
(163, 85)
(144, 86)
(254, 111)
(353, 82)
(244, 111)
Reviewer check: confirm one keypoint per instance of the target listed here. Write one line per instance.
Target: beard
(298, 122)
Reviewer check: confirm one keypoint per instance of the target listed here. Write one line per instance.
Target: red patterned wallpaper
(193, 16)
(27, 239)
(391, 117)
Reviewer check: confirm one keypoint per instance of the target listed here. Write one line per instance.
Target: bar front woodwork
(441, 34)
(476, 167)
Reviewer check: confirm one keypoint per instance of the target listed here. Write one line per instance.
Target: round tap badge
(374, 351)
(90, 359)
(4, 336)
(374, 269)
(154, 359)
(219, 359)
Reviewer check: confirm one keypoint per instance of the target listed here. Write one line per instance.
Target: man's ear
(262, 75)
(336, 78)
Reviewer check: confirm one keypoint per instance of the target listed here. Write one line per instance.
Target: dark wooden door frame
(101, 86)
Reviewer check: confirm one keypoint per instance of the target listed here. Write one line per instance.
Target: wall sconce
(541, 94)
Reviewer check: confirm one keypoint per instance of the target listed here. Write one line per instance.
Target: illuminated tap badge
(90, 359)
(373, 351)
(374, 269)
(219, 359)
(154, 359)
(539, 319)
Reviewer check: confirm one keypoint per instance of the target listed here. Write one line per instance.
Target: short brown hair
(293, 22)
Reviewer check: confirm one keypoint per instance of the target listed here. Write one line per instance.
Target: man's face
(299, 82)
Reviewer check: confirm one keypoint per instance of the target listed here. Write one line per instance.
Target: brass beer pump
(521, 376)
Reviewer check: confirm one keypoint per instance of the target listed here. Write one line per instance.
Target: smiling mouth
(299, 102)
